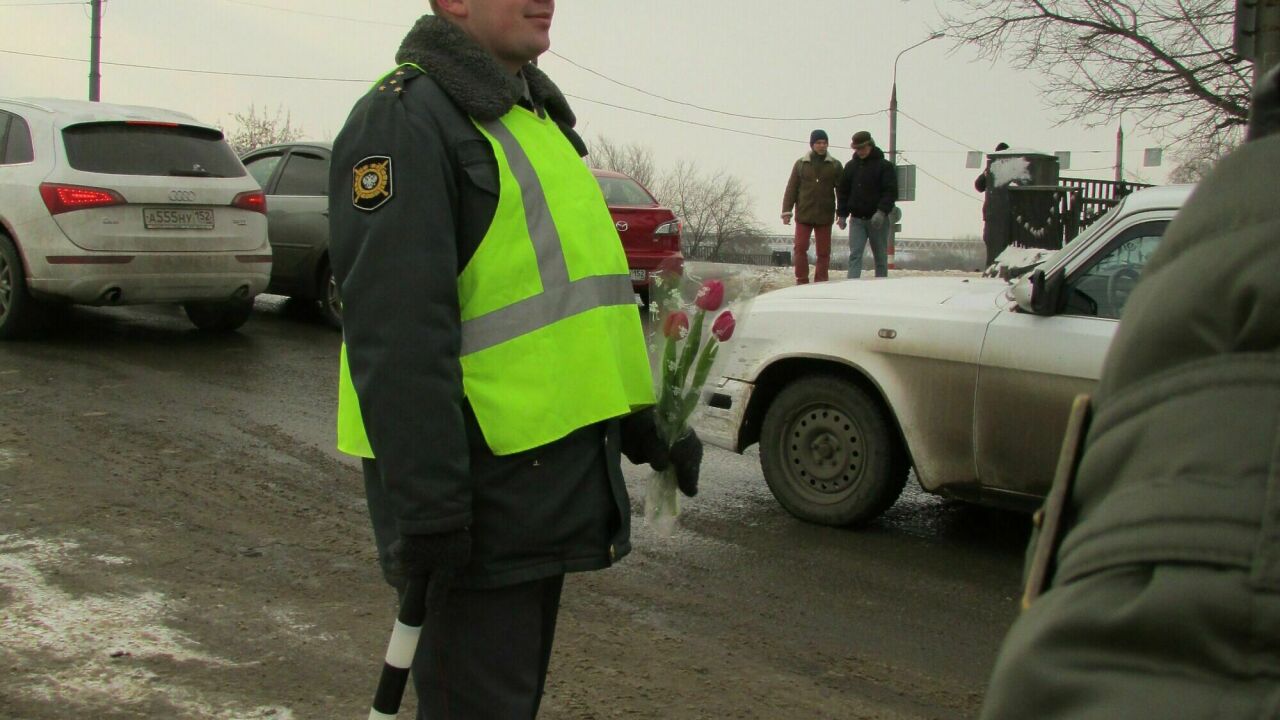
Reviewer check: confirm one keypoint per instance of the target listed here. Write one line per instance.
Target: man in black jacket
(866, 194)
(426, 223)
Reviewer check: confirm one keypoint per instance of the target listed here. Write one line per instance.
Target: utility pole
(892, 234)
(1257, 34)
(95, 53)
(1120, 152)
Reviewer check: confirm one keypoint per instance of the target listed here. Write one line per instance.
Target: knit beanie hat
(817, 135)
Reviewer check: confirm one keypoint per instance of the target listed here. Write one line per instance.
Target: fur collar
(472, 78)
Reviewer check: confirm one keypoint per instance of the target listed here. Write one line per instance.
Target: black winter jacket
(867, 185)
(558, 508)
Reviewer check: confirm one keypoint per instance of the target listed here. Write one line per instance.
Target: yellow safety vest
(551, 340)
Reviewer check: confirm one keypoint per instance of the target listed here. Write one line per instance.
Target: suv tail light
(66, 198)
(252, 200)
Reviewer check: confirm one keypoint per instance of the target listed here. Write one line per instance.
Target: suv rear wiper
(192, 173)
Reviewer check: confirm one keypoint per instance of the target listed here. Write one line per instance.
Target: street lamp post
(893, 129)
(893, 99)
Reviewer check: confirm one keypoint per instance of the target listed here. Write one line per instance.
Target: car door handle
(325, 213)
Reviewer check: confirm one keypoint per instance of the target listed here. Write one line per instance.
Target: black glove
(641, 443)
(686, 457)
(417, 556)
(640, 440)
(1264, 114)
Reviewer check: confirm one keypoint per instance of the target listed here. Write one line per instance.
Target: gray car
(295, 178)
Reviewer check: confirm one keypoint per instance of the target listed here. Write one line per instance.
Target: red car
(650, 232)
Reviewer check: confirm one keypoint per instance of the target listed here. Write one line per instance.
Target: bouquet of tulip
(685, 350)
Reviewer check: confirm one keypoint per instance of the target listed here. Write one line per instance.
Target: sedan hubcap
(824, 450)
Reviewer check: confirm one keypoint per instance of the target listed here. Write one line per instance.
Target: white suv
(116, 205)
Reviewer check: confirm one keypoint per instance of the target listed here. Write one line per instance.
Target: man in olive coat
(811, 198)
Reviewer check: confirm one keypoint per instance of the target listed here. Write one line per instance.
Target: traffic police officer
(494, 365)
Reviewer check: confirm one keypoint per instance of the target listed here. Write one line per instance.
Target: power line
(687, 122)
(704, 108)
(269, 76)
(935, 132)
(314, 14)
(368, 81)
(193, 70)
(938, 179)
(40, 4)
(577, 65)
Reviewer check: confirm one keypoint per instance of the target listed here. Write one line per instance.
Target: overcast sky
(798, 59)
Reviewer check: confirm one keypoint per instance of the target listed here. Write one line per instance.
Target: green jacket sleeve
(396, 265)
(792, 193)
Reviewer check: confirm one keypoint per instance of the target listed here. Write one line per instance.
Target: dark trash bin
(781, 258)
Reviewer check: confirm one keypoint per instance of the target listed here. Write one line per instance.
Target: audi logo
(622, 226)
(182, 195)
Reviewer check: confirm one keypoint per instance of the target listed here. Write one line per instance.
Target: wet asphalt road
(901, 619)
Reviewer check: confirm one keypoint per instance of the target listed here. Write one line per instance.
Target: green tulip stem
(691, 344)
(666, 398)
(705, 360)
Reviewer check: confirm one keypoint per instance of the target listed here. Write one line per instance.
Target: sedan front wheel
(828, 454)
(330, 298)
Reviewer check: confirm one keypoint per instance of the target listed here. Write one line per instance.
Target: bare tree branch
(1165, 63)
(253, 130)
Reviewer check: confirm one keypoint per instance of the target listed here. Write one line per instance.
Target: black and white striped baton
(399, 658)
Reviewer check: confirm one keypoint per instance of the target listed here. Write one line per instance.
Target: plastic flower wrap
(689, 350)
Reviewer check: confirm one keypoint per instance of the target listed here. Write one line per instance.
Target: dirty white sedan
(848, 385)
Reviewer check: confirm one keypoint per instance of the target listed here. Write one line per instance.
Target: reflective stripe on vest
(551, 340)
(560, 298)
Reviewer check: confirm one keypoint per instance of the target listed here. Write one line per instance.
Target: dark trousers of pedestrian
(822, 249)
(489, 661)
(860, 234)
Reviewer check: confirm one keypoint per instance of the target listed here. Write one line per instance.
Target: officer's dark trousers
(496, 643)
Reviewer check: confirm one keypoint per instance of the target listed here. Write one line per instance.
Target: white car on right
(849, 385)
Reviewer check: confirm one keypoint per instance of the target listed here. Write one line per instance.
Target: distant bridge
(841, 239)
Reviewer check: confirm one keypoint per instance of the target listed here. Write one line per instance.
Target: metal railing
(1049, 216)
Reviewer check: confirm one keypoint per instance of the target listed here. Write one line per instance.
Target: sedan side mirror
(1037, 293)
(1024, 291)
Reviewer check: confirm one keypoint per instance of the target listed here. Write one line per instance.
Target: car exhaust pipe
(242, 292)
(112, 296)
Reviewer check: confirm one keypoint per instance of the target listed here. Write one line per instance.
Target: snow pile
(1016, 261)
(1009, 170)
(85, 637)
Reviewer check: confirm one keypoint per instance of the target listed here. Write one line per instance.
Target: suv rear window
(119, 148)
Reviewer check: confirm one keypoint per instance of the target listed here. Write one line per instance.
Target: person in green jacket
(1153, 589)
(494, 366)
(810, 198)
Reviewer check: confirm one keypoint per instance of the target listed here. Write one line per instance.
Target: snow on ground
(77, 637)
(751, 280)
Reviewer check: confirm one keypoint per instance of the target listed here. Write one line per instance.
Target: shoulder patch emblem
(372, 183)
